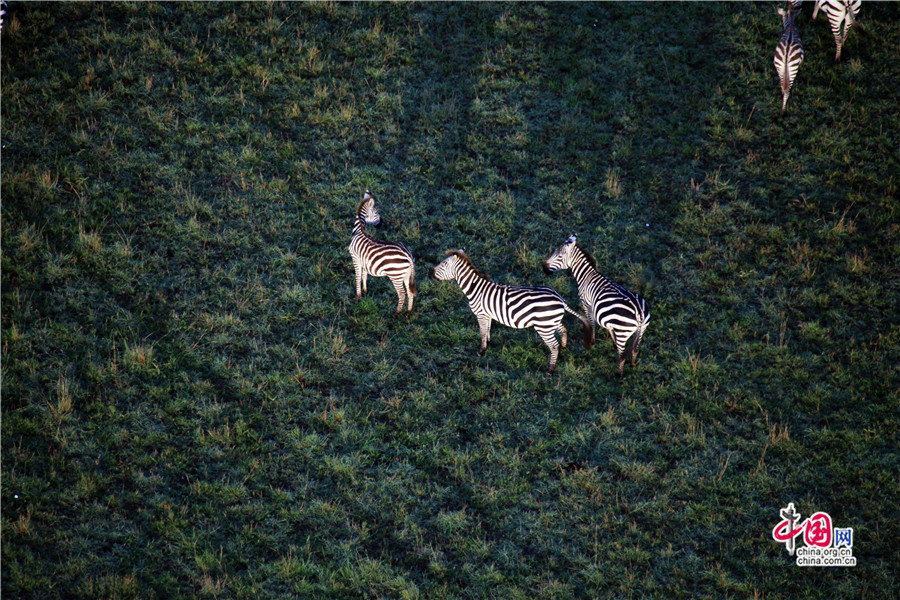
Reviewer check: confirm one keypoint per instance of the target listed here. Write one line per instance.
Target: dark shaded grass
(194, 404)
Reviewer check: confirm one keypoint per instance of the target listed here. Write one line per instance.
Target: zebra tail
(588, 332)
(588, 328)
(633, 342)
(412, 280)
(855, 24)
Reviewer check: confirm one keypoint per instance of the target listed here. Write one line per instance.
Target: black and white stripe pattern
(788, 55)
(624, 313)
(515, 306)
(379, 258)
(841, 16)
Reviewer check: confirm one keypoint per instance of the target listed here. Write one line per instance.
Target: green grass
(195, 405)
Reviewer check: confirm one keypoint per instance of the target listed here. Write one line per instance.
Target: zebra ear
(781, 11)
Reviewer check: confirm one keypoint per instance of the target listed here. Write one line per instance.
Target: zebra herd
(622, 312)
(841, 16)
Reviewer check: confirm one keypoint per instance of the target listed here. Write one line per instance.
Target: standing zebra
(788, 54)
(841, 16)
(514, 306)
(380, 259)
(624, 313)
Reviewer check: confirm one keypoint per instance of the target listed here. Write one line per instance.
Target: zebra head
(448, 267)
(366, 211)
(561, 257)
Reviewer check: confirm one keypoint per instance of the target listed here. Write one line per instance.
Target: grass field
(194, 404)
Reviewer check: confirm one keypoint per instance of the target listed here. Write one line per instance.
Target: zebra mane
(363, 201)
(588, 257)
(462, 256)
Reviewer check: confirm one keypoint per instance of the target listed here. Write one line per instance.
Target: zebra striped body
(514, 306)
(841, 16)
(622, 312)
(788, 55)
(379, 258)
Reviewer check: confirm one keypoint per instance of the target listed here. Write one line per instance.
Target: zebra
(788, 55)
(380, 258)
(512, 305)
(622, 312)
(841, 16)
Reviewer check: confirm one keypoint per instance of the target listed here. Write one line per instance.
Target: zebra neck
(584, 272)
(359, 227)
(470, 282)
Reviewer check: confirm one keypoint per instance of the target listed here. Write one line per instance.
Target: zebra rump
(841, 16)
(788, 55)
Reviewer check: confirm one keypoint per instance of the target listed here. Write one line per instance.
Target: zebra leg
(411, 286)
(357, 269)
(839, 35)
(620, 351)
(554, 353)
(364, 275)
(484, 325)
(549, 337)
(401, 293)
(563, 335)
(636, 347)
(593, 319)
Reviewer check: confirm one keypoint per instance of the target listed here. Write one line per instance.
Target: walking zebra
(624, 313)
(379, 258)
(788, 55)
(514, 306)
(841, 16)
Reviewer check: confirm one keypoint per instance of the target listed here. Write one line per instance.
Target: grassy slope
(195, 404)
